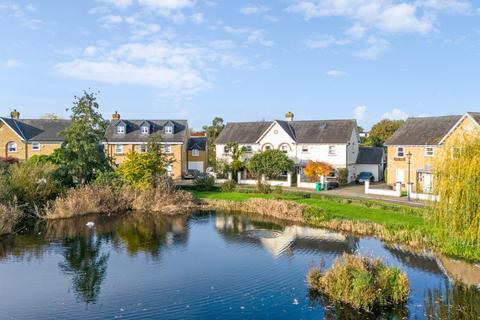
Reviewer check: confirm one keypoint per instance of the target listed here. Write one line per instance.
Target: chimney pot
(15, 114)
(289, 116)
(116, 116)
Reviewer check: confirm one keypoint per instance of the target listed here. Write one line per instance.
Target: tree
(382, 131)
(236, 154)
(213, 132)
(272, 163)
(317, 169)
(81, 159)
(140, 170)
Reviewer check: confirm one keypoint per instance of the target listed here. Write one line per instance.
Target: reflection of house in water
(419, 260)
(291, 237)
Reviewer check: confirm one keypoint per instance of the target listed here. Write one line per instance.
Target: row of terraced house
(410, 152)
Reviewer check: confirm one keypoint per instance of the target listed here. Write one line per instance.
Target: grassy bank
(389, 222)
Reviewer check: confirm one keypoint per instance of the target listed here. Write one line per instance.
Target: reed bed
(10, 216)
(361, 283)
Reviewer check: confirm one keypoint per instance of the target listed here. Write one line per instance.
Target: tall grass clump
(457, 182)
(10, 217)
(361, 283)
(228, 186)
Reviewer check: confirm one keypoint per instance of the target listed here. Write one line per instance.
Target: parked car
(191, 174)
(364, 176)
(332, 185)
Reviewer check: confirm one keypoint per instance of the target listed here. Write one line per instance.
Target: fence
(245, 178)
(383, 192)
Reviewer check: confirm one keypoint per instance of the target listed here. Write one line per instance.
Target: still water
(206, 266)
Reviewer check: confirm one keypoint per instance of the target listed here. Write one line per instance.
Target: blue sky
(242, 60)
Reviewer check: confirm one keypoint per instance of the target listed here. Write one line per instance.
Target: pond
(209, 265)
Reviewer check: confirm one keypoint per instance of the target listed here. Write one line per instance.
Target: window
(143, 148)
(195, 152)
(35, 146)
(169, 170)
(168, 129)
(12, 147)
(304, 149)
(248, 149)
(145, 130)
(331, 151)
(168, 149)
(429, 152)
(118, 149)
(400, 152)
(284, 148)
(226, 150)
(267, 147)
(121, 130)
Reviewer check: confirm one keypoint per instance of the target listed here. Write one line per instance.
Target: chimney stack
(289, 116)
(15, 114)
(116, 116)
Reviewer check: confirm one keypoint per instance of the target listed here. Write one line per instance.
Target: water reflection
(86, 264)
(454, 301)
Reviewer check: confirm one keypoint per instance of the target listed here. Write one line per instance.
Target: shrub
(277, 192)
(34, 184)
(111, 179)
(204, 182)
(228, 186)
(10, 216)
(342, 176)
(263, 187)
(5, 188)
(361, 283)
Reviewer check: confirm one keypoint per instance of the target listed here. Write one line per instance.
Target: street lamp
(409, 162)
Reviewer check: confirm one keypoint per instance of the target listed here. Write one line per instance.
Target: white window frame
(12, 147)
(168, 130)
(167, 149)
(36, 146)
(332, 150)
(267, 146)
(400, 150)
(226, 150)
(121, 129)
(305, 149)
(145, 130)
(427, 153)
(248, 149)
(118, 149)
(195, 153)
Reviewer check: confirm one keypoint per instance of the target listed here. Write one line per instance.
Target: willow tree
(457, 183)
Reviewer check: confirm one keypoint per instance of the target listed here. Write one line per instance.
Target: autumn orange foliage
(315, 169)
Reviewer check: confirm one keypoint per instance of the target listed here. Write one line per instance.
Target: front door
(400, 176)
(427, 182)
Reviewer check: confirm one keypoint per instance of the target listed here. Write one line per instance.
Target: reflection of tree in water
(456, 301)
(341, 311)
(87, 265)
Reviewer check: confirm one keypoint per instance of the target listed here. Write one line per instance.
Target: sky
(242, 60)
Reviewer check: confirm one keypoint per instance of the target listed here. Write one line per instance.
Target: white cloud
(375, 47)
(395, 114)
(98, 10)
(383, 15)
(167, 5)
(252, 9)
(120, 4)
(198, 18)
(12, 63)
(110, 20)
(323, 41)
(22, 14)
(253, 36)
(360, 113)
(335, 73)
(455, 6)
(176, 69)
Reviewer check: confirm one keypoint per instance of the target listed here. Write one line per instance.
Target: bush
(277, 192)
(263, 187)
(361, 283)
(10, 216)
(111, 179)
(204, 182)
(343, 176)
(5, 188)
(34, 184)
(228, 186)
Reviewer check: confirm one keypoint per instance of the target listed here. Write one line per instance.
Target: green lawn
(382, 213)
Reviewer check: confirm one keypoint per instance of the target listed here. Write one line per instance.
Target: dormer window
(121, 129)
(169, 129)
(145, 130)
